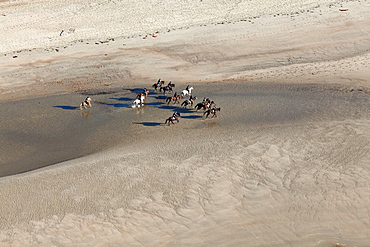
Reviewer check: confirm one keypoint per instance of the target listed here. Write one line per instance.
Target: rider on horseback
(175, 115)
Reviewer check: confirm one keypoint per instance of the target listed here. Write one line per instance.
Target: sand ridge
(205, 54)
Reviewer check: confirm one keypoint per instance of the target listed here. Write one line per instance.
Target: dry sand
(286, 163)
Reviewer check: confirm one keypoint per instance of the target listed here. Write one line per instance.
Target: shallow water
(43, 131)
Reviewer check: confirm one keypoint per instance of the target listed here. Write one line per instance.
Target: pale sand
(287, 165)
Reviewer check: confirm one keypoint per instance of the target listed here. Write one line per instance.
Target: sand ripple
(273, 188)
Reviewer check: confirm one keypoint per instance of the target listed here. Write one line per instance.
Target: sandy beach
(285, 163)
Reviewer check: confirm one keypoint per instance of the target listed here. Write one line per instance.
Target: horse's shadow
(161, 97)
(192, 117)
(67, 107)
(122, 99)
(170, 107)
(118, 105)
(154, 103)
(135, 90)
(177, 108)
(151, 124)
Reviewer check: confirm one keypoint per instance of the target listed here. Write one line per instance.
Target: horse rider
(175, 115)
(146, 92)
(187, 88)
(159, 82)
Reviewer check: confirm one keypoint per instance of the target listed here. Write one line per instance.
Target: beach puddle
(48, 130)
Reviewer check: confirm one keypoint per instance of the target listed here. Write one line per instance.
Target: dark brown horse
(204, 105)
(158, 84)
(211, 111)
(165, 89)
(170, 84)
(188, 102)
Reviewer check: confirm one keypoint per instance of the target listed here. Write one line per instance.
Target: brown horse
(173, 118)
(211, 111)
(175, 99)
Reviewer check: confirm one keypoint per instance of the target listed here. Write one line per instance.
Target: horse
(139, 101)
(175, 99)
(158, 84)
(165, 89)
(172, 119)
(187, 91)
(86, 103)
(211, 111)
(188, 102)
(170, 84)
(204, 105)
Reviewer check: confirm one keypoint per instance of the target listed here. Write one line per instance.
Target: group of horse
(207, 105)
(160, 85)
(140, 98)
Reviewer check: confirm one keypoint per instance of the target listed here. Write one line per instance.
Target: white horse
(139, 101)
(136, 103)
(187, 91)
